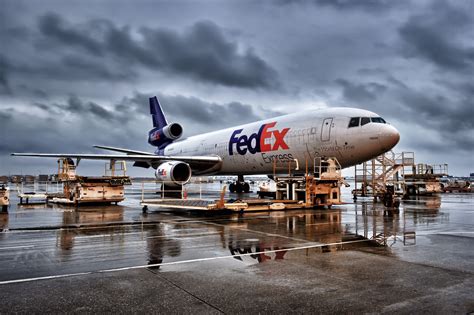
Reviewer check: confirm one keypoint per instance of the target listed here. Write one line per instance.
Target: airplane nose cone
(389, 137)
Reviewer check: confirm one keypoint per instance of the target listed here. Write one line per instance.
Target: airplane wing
(122, 150)
(196, 162)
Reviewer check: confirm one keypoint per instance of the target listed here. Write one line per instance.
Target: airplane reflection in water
(256, 237)
(160, 246)
(236, 234)
(108, 223)
(297, 229)
(3, 222)
(251, 238)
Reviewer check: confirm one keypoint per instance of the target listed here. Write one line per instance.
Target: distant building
(3, 179)
(471, 175)
(29, 179)
(16, 179)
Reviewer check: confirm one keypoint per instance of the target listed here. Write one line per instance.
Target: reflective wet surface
(45, 242)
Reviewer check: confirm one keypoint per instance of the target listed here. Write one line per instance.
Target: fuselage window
(378, 120)
(364, 121)
(354, 122)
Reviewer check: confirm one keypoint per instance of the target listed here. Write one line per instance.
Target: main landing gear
(240, 185)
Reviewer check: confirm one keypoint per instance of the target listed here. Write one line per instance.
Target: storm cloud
(366, 5)
(203, 50)
(4, 85)
(56, 29)
(73, 78)
(435, 37)
(361, 92)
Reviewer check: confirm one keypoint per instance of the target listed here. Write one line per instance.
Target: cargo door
(326, 129)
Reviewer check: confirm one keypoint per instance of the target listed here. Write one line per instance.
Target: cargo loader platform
(230, 205)
(78, 190)
(317, 189)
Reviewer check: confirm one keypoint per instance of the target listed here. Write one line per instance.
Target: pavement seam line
(183, 289)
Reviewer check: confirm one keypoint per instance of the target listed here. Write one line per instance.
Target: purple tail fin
(159, 119)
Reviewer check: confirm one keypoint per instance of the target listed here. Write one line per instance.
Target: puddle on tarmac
(98, 238)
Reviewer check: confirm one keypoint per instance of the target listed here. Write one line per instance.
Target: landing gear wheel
(239, 188)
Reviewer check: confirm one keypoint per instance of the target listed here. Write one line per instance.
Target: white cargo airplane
(349, 134)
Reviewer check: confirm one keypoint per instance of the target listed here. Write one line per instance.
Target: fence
(38, 187)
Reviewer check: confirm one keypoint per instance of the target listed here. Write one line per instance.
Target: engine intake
(173, 131)
(175, 172)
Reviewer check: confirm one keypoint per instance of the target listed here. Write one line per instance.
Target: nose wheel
(239, 186)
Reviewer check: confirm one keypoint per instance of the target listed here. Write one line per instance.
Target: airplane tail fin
(159, 119)
(162, 133)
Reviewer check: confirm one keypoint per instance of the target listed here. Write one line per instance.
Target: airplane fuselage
(274, 145)
(256, 148)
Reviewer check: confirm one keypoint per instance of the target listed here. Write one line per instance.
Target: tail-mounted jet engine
(173, 173)
(160, 137)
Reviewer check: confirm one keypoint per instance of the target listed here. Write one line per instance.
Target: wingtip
(100, 147)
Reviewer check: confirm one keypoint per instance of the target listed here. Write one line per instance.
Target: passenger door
(326, 129)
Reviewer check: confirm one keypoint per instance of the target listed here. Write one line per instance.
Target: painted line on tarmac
(85, 226)
(176, 262)
(453, 233)
(16, 247)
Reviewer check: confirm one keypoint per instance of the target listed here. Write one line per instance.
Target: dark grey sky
(78, 73)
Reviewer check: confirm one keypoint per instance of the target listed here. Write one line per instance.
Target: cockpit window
(361, 121)
(364, 121)
(378, 120)
(354, 122)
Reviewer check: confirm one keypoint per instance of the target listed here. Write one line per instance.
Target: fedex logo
(161, 172)
(155, 135)
(257, 142)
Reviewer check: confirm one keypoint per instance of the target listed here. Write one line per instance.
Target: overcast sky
(78, 73)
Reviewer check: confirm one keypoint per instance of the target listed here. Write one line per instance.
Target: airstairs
(388, 170)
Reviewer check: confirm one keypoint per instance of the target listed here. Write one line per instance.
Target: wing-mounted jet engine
(162, 133)
(173, 173)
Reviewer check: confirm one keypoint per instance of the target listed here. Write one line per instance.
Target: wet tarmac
(352, 258)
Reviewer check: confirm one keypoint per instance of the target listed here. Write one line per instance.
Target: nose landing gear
(240, 185)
